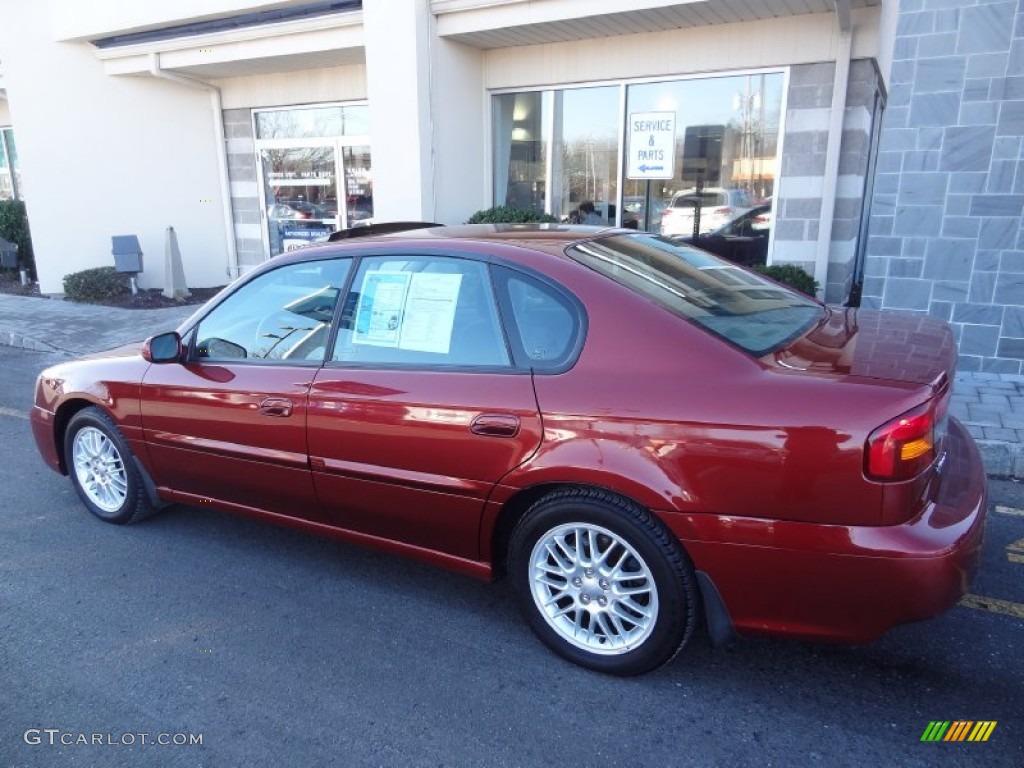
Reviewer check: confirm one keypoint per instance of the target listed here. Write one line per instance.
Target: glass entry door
(301, 202)
(358, 186)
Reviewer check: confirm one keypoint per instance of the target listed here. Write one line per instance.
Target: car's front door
(229, 424)
(420, 411)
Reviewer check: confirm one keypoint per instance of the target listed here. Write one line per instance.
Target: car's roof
(551, 238)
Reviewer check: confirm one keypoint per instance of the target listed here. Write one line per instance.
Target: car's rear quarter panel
(662, 411)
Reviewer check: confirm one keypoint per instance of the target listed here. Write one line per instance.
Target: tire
(602, 582)
(103, 469)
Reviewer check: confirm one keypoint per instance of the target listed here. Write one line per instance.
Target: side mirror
(163, 348)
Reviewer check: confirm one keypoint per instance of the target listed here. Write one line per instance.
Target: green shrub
(791, 275)
(95, 285)
(503, 214)
(14, 228)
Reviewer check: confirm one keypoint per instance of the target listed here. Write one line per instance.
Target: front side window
(745, 309)
(283, 315)
(421, 311)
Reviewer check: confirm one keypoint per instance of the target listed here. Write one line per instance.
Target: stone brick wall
(805, 143)
(245, 197)
(945, 230)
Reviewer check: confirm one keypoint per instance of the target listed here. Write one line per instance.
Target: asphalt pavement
(990, 405)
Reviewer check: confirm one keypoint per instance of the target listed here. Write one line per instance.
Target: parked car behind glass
(637, 433)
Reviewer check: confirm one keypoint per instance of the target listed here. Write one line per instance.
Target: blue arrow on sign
(646, 168)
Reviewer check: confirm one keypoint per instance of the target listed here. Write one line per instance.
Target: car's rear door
(229, 425)
(420, 410)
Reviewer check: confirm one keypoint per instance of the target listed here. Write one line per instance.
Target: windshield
(741, 307)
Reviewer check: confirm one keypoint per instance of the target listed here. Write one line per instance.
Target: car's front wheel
(102, 468)
(602, 582)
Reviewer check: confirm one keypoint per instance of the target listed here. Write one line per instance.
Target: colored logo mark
(958, 730)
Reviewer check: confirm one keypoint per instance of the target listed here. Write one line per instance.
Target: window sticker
(411, 311)
(430, 313)
(380, 308)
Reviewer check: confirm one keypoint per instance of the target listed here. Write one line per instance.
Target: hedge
(503, 214)
(95, 285)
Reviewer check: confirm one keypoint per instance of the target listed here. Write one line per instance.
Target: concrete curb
(15, 339)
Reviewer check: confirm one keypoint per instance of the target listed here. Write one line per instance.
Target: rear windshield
(741, 307)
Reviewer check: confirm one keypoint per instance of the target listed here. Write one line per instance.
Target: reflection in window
(281, 315)
(10, 174)
(693, 284)
(520, 142)
(313, 122)
(558, 152)
(585, 158)
(727, 133)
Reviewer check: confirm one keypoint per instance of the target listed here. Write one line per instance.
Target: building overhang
(489, 24)
(312, 43)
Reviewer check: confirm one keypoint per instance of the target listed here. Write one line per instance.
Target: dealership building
(886, 134)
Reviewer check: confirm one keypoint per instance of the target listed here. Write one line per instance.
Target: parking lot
(272, 647)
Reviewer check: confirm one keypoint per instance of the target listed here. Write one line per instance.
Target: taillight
(726, 211)
(907, 445)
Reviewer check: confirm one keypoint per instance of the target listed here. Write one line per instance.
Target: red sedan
(639, 434)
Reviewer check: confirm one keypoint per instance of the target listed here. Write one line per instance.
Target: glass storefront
(561, 151)
(562, 146)
(10, 175)
(303, 153)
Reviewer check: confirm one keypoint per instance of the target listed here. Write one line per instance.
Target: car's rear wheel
(102, 468)
(602, 582)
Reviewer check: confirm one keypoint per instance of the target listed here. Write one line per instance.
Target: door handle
(495, 425)
(276, 406)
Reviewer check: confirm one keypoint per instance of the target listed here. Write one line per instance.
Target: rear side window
(545, 326)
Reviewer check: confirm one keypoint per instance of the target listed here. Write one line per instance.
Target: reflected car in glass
(645, 439)
(743, 241)
(717, 206)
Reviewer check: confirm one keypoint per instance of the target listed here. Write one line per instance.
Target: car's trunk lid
(865, 343)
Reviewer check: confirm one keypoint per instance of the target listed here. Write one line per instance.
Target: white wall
(5, 113)
(103, 156)
(307, 86)
(398, 72)
(459, 108)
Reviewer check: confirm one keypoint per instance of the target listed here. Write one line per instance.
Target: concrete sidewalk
(990, 405)
(53, 325)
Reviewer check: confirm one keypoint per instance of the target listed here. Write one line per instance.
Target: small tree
(14, 227)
